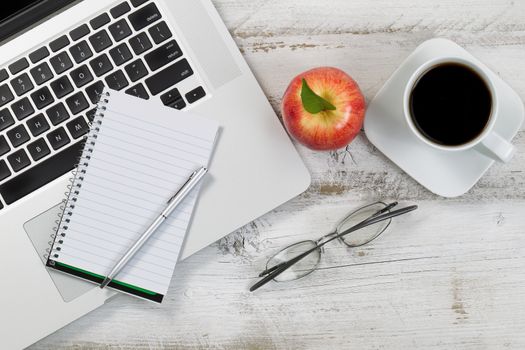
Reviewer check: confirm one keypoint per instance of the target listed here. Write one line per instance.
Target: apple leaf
(312, 102)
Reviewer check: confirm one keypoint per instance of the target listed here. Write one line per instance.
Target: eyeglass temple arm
(267, 271)
(278, 269)
(373, 220)
(385, 209)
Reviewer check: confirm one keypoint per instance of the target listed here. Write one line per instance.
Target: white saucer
(448, 174)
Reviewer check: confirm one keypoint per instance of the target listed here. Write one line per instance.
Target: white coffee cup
(488, 141)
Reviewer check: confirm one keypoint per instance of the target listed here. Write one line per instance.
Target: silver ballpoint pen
(173, 202)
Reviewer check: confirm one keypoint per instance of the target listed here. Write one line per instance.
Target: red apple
(323, 108)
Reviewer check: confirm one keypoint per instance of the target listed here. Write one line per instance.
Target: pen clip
(191, 176)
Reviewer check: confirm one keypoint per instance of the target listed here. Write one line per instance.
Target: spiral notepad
(137, 154)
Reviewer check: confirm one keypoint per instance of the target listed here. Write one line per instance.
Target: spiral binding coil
(71, 196)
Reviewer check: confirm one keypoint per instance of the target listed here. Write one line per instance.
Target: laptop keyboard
(48, 97)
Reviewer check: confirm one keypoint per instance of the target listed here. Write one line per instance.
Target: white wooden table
(451, 275)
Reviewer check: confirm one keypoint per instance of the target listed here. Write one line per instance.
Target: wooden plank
(447, 276)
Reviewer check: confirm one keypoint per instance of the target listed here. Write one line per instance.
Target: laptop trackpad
(40, 231)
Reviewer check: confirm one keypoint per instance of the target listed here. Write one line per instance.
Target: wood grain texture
(449, 276)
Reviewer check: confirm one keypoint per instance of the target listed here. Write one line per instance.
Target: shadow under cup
(450, 104)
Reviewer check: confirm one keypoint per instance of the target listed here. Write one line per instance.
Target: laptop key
(22, 84)
(100, 40)
(169, 76)
(163, 55)
(145, 16)
(77, 103)
(18, 160)
(91, 114)
(120, 30)
(57, 114)
(3, 74)
(120, 54)
(120, 9)
(136, 70)
(80, 51)
(170, 96)
(61, 62)
(42, 97)
(5, 95)
(22, 108)
(39, 54)
(94, 90)
(140, 43)
(79, 32)
(160, 32)
(6, 119)
(62, 86)
(78, 127)
(178, 104)
(59, 43)
(137, 3)
(38, 124)
(58, 138)
(101, 65)
(18, 135)
(4, 171)
(4, 146)
(41, 73)
(138, 91)
(117, 80)
(41, 174)
(99, 21)
(18, 66)
(81, 76)
(38, 149)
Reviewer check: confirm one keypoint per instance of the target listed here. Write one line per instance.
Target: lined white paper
(143, 154)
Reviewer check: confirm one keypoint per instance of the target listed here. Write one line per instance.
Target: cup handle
(499, 148)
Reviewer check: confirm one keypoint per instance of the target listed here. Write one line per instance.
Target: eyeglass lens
(365, 234)
(301, 268)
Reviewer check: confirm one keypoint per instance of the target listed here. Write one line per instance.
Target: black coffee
(450, 104)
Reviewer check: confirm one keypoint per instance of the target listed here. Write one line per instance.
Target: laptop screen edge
(29, 16)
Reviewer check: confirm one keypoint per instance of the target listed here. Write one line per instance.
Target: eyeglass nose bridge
(325, 238)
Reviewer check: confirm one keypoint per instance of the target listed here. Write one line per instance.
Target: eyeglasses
(356, 229)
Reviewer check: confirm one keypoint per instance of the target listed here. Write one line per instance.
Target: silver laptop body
(255, 167)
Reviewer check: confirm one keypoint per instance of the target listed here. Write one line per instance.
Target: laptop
(55, 58)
